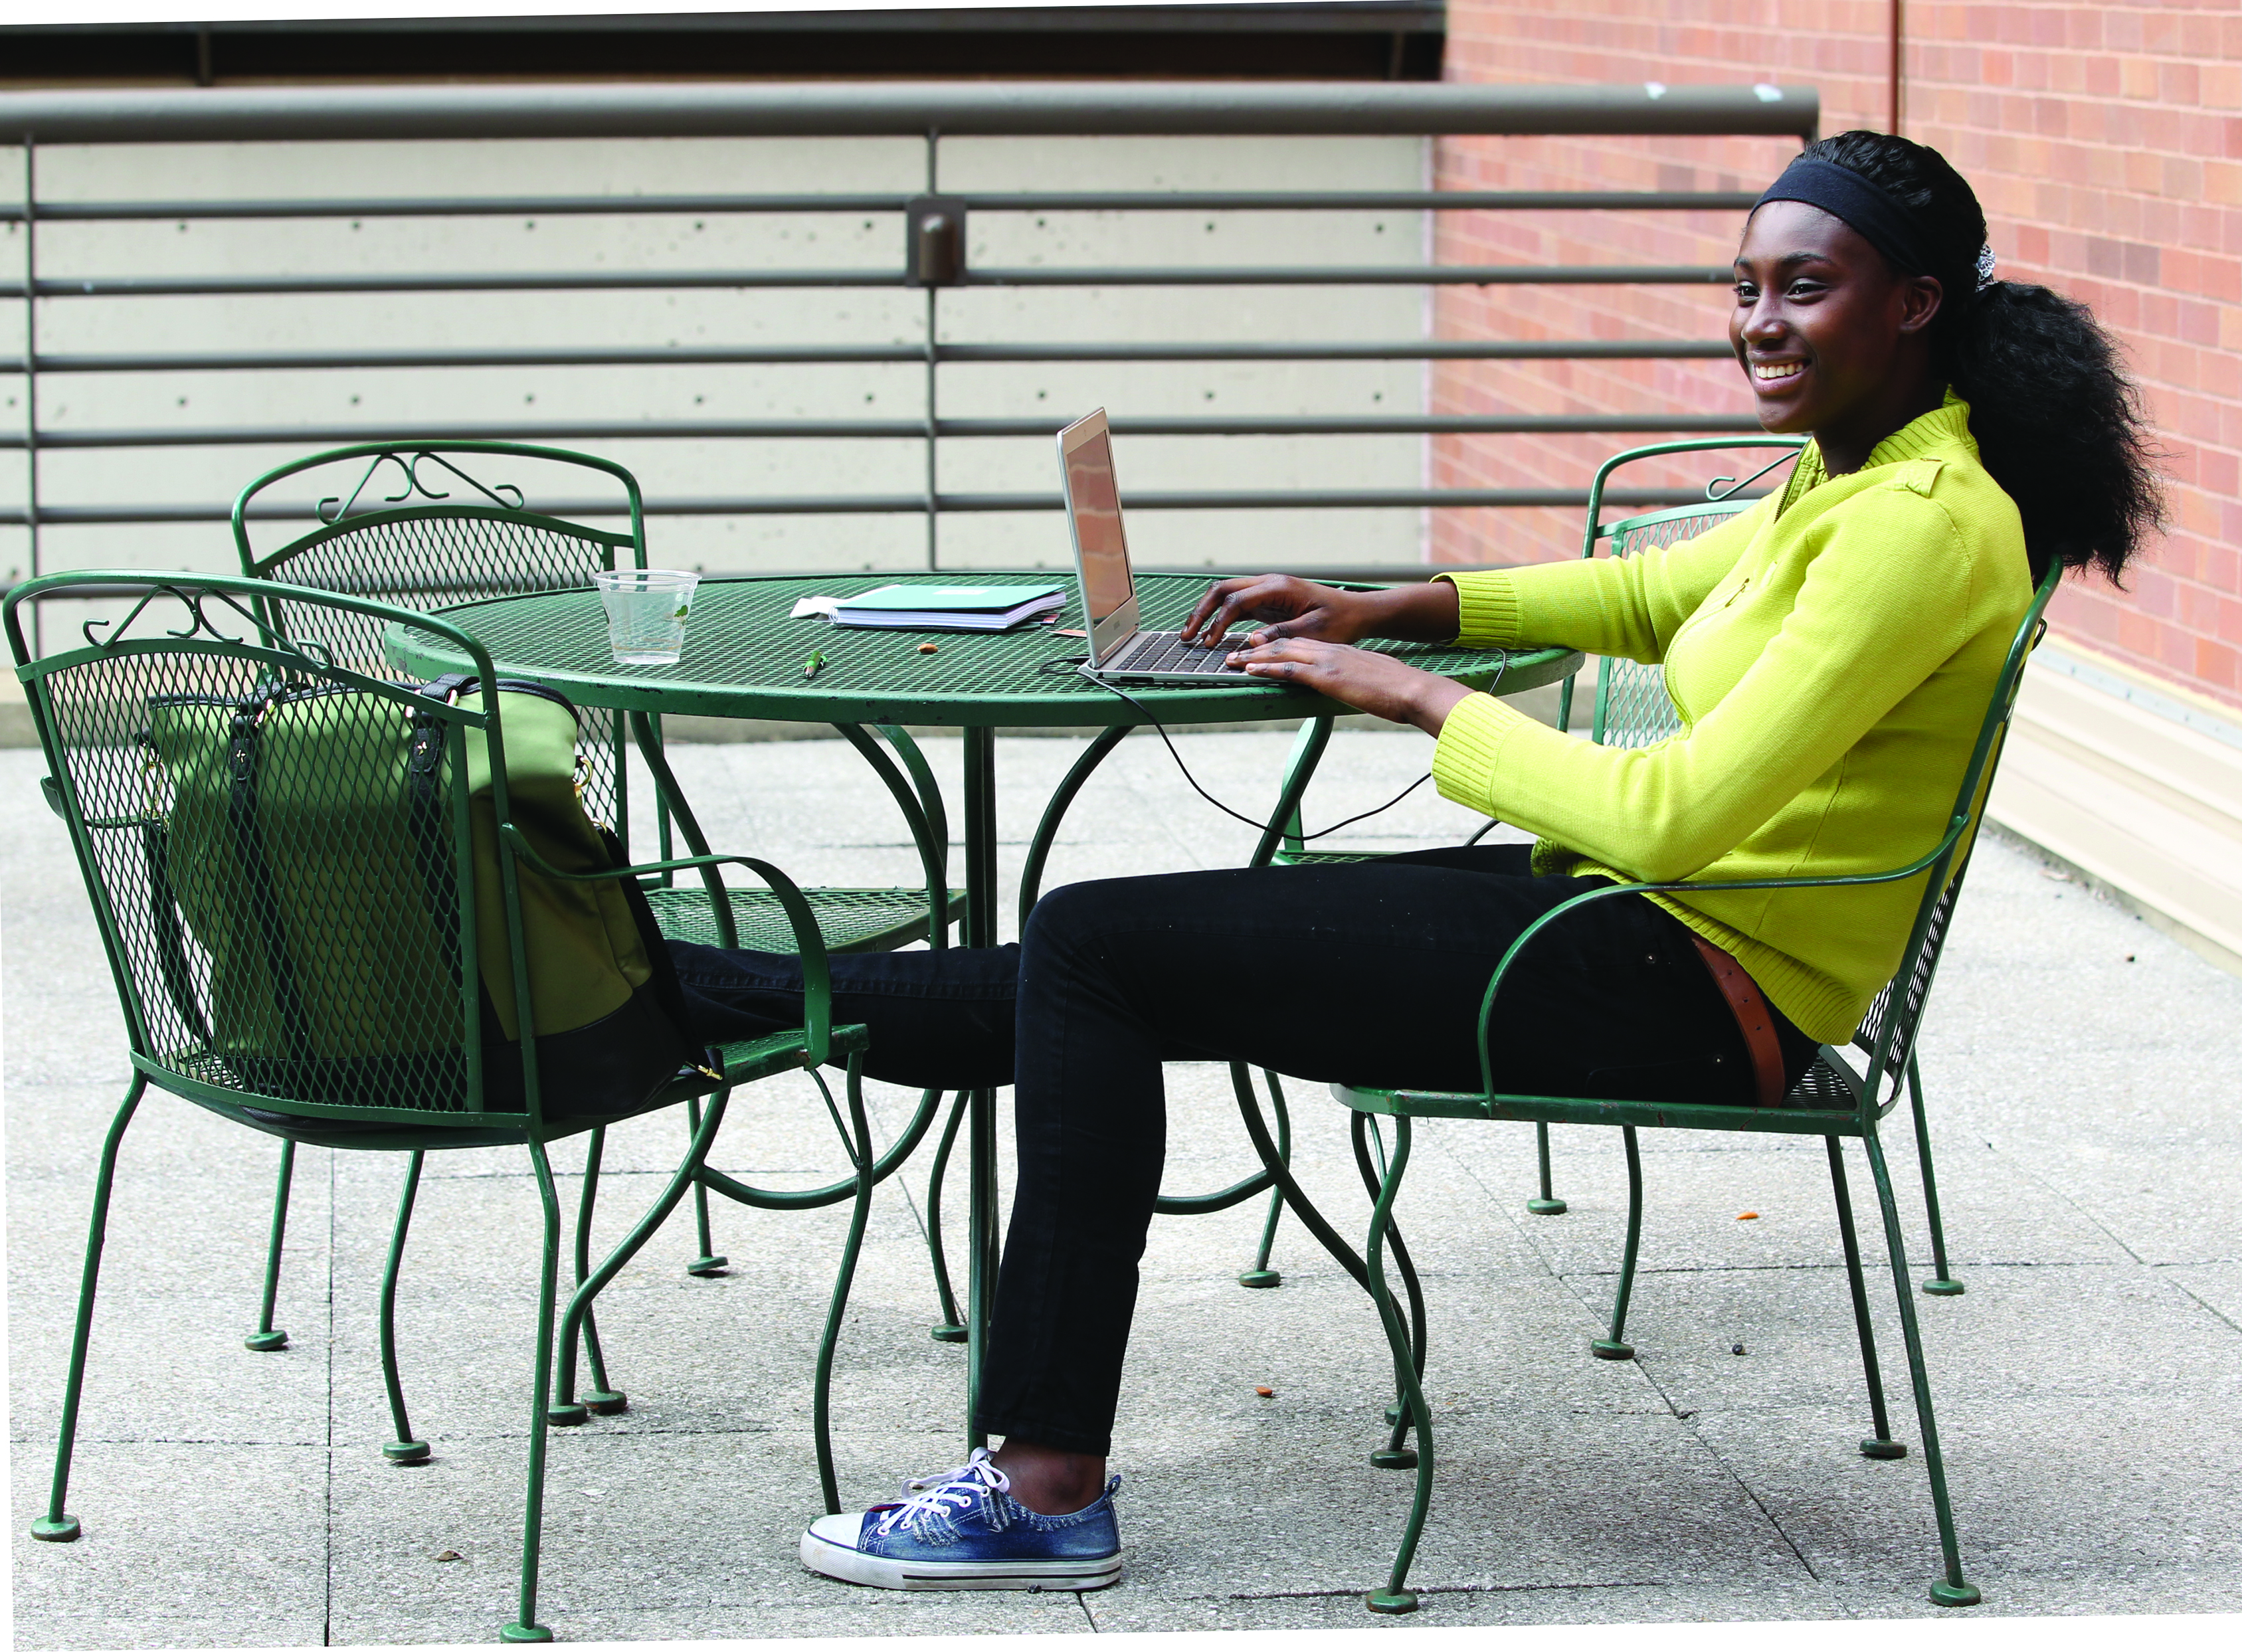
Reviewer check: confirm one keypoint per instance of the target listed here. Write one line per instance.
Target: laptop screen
(1095, 502)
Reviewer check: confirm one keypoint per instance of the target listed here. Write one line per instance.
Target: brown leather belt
(1754, 1019)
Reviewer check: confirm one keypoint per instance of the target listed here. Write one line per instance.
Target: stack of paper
(949, 608)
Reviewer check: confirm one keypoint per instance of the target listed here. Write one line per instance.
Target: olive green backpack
(310, 845)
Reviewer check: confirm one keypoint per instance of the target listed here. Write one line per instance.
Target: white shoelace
(945, 1496)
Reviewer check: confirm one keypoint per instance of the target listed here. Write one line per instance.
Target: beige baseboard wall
(2136, 784)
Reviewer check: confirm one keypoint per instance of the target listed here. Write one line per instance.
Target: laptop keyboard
(1167, 651)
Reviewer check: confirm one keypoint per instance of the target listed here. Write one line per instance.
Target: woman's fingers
(1261, 596)
(1218, 598)
(1286, 607)
(1377, 683)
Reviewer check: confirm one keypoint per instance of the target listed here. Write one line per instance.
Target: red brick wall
(2105, 142)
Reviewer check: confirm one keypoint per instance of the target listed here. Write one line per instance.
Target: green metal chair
(417, 529)
(1833, 1101)
(1632, 709)
(243, 1001)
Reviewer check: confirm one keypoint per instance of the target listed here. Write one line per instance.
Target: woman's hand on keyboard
(1377, 683)
(1282, 607)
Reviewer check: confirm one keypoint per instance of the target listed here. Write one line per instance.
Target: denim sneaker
(963, 1531)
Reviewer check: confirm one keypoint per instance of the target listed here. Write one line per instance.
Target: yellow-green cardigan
(1831, 650)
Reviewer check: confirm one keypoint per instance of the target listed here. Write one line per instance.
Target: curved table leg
(1032, 875)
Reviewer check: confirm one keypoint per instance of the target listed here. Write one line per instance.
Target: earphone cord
(1261, 825)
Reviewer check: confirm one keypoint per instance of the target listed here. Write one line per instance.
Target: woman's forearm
(1421, 613)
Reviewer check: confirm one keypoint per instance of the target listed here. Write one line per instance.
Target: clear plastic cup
(645, 613)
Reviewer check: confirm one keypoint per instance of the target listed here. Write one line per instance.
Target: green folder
(950, 607)
(948, 598)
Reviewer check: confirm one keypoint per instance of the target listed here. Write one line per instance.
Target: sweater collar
(1946, 425)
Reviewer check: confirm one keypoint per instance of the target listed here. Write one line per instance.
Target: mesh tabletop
(744, 656)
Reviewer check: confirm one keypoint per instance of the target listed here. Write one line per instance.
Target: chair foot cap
(1390, 1601)
(607, 1402)
(709, 1267)
(1546, 1206)
(516, 1632)
(1604, 1350)
(568, 1416)
(1394, 1457)
(1261, 1279)
(1954, 1595)
(1885, 1450)
(1942, 1287)
(265, 1341)
(55, 1531)
(406, 1451)
(947, 1333)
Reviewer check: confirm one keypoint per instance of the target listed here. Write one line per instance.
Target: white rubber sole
(831, 1558)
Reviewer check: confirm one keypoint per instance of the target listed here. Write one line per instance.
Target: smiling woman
(1864, 286)
(1831, 651)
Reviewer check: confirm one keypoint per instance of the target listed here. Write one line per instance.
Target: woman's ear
(1920, 298)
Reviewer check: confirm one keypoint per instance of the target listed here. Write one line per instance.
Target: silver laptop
(1118, 650)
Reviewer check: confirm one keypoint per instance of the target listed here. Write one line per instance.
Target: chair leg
(604, 1400)
(952, 1328)
(1363, 1131)
(1396, 1596)
(707, 1264)
(1952, 1589)
(1548, 1204)
(404, 1449)
(579, 1303)
(1615, 1347)
(525, 1626)
(56, 1526)
(1881, 1445)
(1941, 1283)
(265, 1338)
(1261, 1276)
(820, 1405)
(599, 1400)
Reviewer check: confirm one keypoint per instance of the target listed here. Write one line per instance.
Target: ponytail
(2058, 423)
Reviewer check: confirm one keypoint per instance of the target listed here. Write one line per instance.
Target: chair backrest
(278, 852)
(1632, 708)
(419, 529)
(1888, 1031)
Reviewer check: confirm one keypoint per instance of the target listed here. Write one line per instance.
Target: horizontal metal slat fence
(934, 261)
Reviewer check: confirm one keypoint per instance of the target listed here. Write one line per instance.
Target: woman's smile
(1820, 326)
(1783, 373)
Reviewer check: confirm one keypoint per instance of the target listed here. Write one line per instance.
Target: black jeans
(1370, 973)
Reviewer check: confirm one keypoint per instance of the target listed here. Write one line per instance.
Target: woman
(1831, 650)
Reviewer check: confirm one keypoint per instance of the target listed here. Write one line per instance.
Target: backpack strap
(154, 833)
(242, 754)
(424, 819)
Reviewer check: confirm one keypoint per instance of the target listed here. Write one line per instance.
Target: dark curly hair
(2057, 421)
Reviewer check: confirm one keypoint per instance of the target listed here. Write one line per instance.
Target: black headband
(1844, 193)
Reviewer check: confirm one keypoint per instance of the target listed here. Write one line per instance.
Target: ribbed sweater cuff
(1465, 759)
(1487, 609)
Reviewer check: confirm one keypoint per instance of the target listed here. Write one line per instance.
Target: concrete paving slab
(1736, 1601)
(2085, 1131)
(2046, 1504)
(186, 1541)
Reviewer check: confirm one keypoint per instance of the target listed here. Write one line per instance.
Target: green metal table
(745, 657)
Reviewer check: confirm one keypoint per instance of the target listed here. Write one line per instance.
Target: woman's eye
(1745, 291)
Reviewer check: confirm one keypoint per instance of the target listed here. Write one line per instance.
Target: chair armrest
(1922, 863)
(816, 976)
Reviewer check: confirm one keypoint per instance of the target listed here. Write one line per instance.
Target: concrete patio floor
(2090, 1382)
